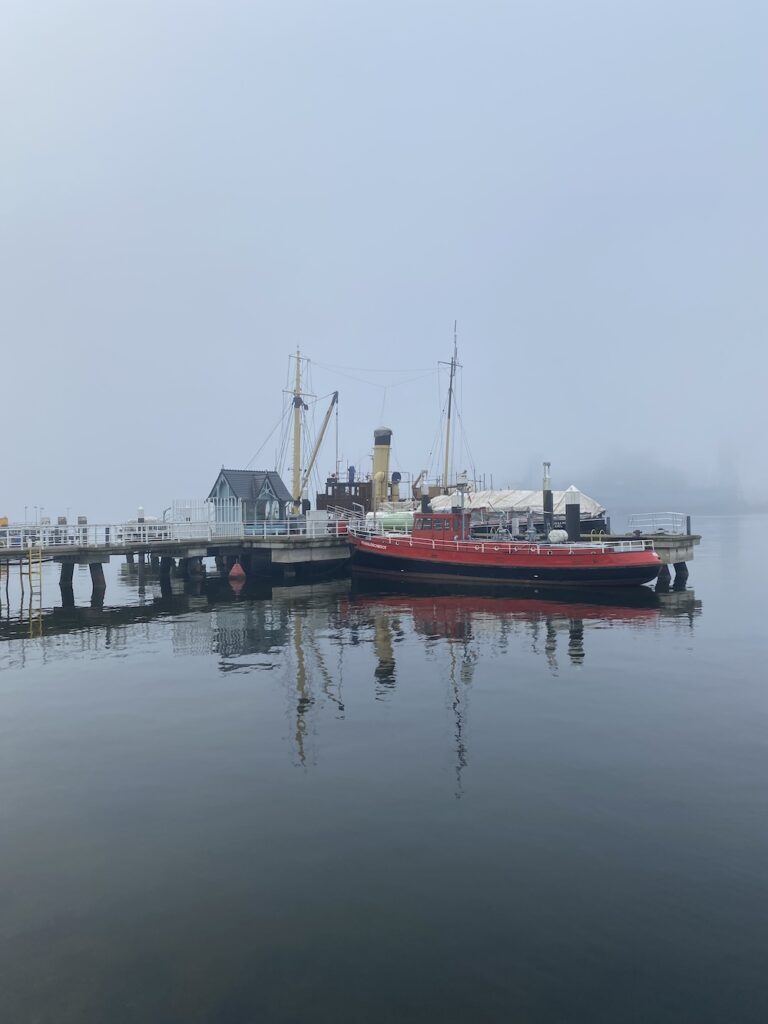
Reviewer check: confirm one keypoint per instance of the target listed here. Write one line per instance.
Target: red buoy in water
(237, 572)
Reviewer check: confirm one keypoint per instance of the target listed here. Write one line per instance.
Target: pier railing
(660, 522)
(24, 535)
(21, 536)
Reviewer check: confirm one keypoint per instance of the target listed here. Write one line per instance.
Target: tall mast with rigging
(454, 363)
(298, 406)
(300, 480)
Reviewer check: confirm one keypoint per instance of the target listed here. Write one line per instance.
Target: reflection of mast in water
(550, 646)
(308, 656)
(458, 706)
(327, 678)
(303, 695)
(385, 628)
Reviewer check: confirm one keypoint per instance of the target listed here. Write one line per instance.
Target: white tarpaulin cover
(513, 501)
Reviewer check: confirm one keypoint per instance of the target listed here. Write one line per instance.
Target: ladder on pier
(34, 574)
(35, 567)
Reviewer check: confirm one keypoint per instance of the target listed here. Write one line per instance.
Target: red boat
(440, 548)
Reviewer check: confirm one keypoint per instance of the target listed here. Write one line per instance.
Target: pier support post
(97, 576)
(166, 565)
(129, 558)
(681, 576)
(67, 572)
(154, 561)
(99, 584)
(67, 596)
(662, 580)
(195, 567)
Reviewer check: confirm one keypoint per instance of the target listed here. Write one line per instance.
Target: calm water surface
(340, 804)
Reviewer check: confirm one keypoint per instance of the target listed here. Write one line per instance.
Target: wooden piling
(97, 576)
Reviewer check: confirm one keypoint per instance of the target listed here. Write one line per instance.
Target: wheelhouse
(441, 525)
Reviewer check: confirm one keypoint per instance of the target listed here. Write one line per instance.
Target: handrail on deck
(365, 530)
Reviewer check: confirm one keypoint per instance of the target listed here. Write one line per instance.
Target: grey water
(347, 803)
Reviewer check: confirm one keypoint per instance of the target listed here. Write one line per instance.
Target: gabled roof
(246, 484)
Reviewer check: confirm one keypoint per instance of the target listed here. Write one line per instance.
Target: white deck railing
(660, 522)
(20, 536)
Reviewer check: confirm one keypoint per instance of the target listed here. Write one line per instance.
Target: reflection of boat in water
(440, 547)
(456, 602)
(464, 627)
(466, 614)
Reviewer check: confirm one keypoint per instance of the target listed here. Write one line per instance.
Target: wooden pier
(275, 550)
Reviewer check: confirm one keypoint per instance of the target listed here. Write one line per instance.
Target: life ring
(477, 547)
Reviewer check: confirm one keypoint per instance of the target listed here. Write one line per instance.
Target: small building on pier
(261, 494)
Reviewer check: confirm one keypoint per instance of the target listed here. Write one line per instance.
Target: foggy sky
(190, 190)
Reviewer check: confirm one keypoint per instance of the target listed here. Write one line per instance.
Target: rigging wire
(383, 404)
(435, 447)
(464, 433)
(376, 384)
(367, 369)
(466, 445)
(280, 462)
(266, 441)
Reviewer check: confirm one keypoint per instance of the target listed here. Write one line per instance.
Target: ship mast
(450, 405)
(298, 405)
